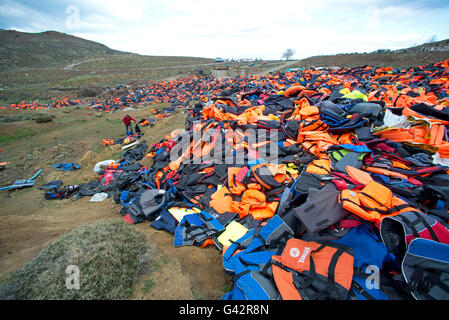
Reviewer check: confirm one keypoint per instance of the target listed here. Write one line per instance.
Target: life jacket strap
(419, 219)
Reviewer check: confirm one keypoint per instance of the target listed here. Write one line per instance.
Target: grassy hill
(42, 66)
(51, 65)
(414, 56)
(45, 49)
(47, 65)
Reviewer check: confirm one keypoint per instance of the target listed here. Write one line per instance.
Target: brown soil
(396, 60)
(28, 222)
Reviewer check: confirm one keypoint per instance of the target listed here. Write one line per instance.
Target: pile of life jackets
(179, 93)
(58, 103)
(312, 184)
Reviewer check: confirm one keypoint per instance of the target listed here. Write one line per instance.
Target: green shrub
(110, 255)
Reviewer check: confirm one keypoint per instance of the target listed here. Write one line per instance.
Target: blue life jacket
(425, 269)
(165, 221)
(259, 246)
(67, 166)
(195, 228)
(369, 255)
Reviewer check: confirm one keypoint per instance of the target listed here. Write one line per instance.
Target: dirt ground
(28, 222)
(396, 60)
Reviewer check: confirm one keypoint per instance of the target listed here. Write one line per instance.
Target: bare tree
(433, 38)
(288, 53)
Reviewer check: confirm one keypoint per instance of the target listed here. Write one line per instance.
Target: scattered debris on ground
(304, 182)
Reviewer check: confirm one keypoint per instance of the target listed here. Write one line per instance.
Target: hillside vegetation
(47, 65)
(427, 53)
(45, 49)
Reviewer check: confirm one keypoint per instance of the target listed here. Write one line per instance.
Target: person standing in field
(127, 121)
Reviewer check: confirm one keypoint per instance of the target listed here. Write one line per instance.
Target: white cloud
(236, 28)
(13, 12)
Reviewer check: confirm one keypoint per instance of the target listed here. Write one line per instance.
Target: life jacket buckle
(338, 229)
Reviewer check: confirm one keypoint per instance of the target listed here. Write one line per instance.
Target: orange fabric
(373, 202)
(235, 187)
(296, 256)
(291, 91)
(359, 175)
(284, 283)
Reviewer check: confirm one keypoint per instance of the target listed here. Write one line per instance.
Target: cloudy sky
(236, 28)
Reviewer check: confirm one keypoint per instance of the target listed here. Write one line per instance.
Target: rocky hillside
(442, 45)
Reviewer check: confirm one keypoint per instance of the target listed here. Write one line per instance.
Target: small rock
(44, 118)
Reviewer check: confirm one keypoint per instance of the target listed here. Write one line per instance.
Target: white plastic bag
(438, 160)
(105, 163)
(393, 121)
(98, 197)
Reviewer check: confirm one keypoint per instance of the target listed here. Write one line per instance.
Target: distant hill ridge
(52, 48)
(424, 54)
(46, 49)
(442, 45)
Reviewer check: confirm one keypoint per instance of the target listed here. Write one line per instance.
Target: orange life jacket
(235, 187)
(107, 142)
(254, 203)
(221, 200)
(303, 262)
(319, 166)
(373, 202)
